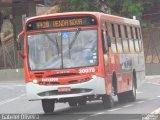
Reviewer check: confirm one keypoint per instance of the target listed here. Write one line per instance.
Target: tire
(132, 94)
(82, 102)
(73, 103)
(114, 83)
(48, 105)
(122, 97)
(108, 101)
(129, 96)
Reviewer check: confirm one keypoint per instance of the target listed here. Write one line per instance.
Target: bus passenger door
(106, 47)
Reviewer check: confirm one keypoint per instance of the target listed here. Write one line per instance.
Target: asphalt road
(13, 101)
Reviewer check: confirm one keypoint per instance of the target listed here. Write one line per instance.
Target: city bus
(76, 57)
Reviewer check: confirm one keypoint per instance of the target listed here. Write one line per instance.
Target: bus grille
(69, 82)
(55, 92)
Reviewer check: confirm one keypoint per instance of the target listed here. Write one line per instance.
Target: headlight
(94, 77)
(35, 81)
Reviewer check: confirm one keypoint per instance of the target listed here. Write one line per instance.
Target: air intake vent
(39, 74)
(63, 74)
(73, 81)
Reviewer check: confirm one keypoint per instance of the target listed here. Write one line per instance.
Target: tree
(5, 12)
(82, 5)
(1, 22)
(126, 8)
(73, 5)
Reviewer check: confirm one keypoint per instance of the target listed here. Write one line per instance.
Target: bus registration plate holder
(64, 89)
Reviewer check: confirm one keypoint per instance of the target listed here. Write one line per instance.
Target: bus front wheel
(73, 103)
(108, 101)
(48, 105)
(82, 102)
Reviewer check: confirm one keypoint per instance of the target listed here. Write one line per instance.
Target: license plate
(64, 89)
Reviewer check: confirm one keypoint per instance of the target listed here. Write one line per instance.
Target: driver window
(104, 42)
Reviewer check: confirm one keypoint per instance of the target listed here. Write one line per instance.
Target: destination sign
(62, 22)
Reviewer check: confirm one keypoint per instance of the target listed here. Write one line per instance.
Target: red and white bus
(79, 56)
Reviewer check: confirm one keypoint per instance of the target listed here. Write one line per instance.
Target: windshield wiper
(74, 38)
(57, 45)
(52, 40)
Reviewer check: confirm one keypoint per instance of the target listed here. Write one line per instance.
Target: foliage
(9, 29)
(6, 11)
(75, 5)
(126, 8)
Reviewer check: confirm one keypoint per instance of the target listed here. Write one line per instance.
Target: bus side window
(118, 38)
(125, 39)
(140, 39)
(131, 42)
(104, 41)
(113, 39)
(136, 40)
(134, 37)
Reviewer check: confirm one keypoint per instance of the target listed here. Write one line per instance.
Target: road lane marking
(158, 96)
(128, 106)
(152, 99)
(100, 113)
(93, 115)
(81, 119)
(140, 102)
(12, 85)
(114, 109)
(7, 87)
(10, 100)
(153, 83)
(97, 114)
(139, 92)
(19, 85)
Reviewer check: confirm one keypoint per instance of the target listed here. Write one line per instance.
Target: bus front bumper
(92, 87)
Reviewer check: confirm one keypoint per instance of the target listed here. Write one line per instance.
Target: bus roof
(108, 17)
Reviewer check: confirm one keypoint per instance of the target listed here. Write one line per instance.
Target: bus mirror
(109, 41)
(20, 44)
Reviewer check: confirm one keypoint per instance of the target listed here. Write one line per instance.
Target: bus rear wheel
(132, 94)
(108, 101)
(129, 96)
(48, 105)
(122, 97)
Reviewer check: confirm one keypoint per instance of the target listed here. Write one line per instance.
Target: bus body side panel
(123, 64)
(126, 72)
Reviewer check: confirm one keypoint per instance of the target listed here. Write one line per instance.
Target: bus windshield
(62, 49)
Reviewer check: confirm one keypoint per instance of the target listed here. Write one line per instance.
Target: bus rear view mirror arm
(20, 44)
(21, 54)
